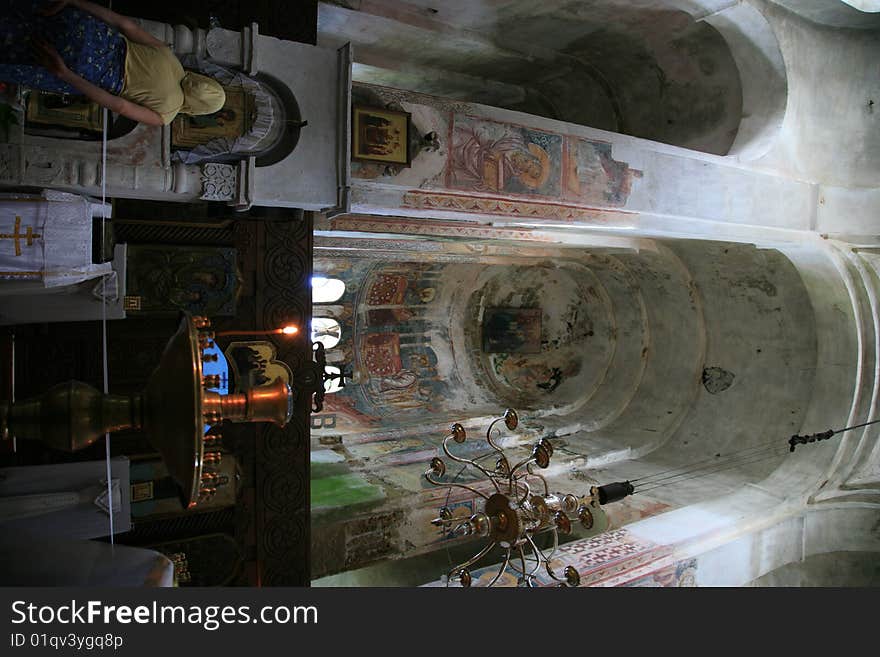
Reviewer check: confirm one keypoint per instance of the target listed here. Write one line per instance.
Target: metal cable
(711, 458)
(707, 463)
(726, 466)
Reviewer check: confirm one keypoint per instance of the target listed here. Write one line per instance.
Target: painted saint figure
(215, 120)
(487, 156)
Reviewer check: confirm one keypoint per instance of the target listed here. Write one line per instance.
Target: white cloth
(46, 239)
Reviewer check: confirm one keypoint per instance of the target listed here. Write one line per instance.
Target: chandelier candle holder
(520, 509)
(172, 411)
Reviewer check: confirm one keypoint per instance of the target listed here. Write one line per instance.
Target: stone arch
(286, 131)
(672, 307)
(763, 78)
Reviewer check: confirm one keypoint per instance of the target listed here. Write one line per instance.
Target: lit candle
(287, 330)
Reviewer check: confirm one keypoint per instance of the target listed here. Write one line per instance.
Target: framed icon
(235, 119)
(380, 135)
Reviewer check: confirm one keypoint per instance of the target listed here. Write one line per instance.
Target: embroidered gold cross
(29, 236)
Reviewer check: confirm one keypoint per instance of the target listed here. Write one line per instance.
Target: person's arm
(122, 23)
(50, 58)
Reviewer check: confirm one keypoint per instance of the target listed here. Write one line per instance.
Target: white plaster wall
(794, 540)
(762, 76)
(753, 530)
(830, 134)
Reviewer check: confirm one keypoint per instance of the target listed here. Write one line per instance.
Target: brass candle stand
(172, 410)
(514, 514)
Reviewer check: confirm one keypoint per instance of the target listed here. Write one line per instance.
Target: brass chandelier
(520, 509)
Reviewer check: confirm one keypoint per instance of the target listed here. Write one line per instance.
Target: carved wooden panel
(282, 455)
(272, 513)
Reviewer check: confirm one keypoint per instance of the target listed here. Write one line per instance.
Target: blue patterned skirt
(89, 47)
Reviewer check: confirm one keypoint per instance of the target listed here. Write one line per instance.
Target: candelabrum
(172, 410)
(519, 510)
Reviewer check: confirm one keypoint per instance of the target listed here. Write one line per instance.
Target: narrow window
(326, 331)
(326, 290)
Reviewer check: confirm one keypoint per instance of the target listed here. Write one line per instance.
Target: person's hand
(56, 6)
(49, 57)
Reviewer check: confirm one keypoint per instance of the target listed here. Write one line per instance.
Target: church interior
(463, 293)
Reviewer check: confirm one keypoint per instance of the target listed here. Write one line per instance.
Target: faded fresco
(502, 158)
(478, 164)
(512, 330)
(388, 322)
(487, 156)
(395, 341)
(590, 175)
(680, 573)
(459, 202)
(538, 331)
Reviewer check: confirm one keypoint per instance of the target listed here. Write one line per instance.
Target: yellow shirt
(152, 79)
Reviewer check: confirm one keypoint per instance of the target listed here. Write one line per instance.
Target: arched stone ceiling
(647, 68)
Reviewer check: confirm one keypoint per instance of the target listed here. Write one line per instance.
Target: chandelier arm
(554, 576)
(539, 557)
(493, 445)
(516, 568)
(444, 485)
(489, 439)
(541, 477)
(522, 558)
(537, 550)
(517, 485)
(468, 462)
(502, 571)
(519, 465)
(474, 559)
(546, 561)
(527, 493)
(555, 544)
(528, 536)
